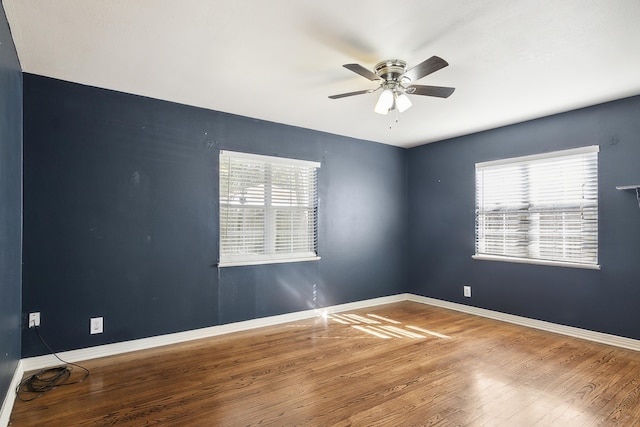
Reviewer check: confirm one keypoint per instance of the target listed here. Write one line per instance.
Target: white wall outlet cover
(96, 325)
(34, 319)
(467, 291)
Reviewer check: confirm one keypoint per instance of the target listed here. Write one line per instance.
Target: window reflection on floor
(383, 327)
(509, 403)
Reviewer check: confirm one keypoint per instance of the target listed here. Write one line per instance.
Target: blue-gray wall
(121, 218)
(10, 205)
(121, 203)
(441, 179)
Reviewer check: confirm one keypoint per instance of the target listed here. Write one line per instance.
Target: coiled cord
(48, 379)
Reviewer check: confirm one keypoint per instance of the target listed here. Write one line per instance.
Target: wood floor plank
(398, 364)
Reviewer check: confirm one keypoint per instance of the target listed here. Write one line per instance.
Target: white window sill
(265, 261)
(535, 261)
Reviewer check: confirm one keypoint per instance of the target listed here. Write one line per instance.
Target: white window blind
(539, 208)
(268, 209)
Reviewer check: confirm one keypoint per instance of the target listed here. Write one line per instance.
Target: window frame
(526, 162)
(271, 207)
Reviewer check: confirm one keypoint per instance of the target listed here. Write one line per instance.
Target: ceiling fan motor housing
(391, 69)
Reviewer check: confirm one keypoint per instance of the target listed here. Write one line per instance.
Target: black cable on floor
(48, 379)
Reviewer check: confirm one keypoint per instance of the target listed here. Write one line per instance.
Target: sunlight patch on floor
(371, 331)
(426, 331)
(374, 324)
(386, 319)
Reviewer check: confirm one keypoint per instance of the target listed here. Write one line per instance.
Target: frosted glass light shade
(385, 102)
(403, 102)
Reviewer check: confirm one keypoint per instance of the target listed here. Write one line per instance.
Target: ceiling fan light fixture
(385, 102)
(394, 77)
(403, 103)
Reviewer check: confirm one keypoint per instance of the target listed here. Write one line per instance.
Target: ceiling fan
(396, 82)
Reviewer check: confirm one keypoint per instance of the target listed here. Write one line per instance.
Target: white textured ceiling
(278, 60)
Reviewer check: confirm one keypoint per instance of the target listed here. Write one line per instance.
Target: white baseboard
(585, 334)
(10, 398)
(40, 362)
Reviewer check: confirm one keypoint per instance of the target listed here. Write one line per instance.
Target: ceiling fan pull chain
(391, 119)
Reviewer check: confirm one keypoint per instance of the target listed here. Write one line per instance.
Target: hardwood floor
(419, 365)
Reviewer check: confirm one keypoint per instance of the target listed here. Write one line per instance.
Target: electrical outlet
(34, 319)
(96, 325)
(467, 291)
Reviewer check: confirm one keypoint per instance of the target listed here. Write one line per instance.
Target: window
(268, 209)
(539, 209)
